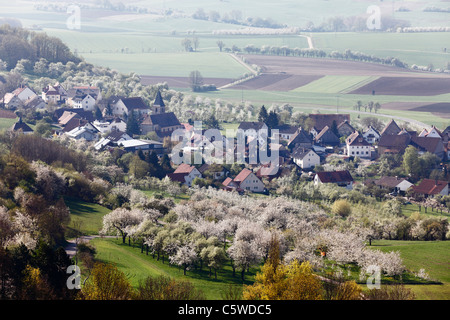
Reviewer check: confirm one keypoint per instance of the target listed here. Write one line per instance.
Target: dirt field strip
(310, 42)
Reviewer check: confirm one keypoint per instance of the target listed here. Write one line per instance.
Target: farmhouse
(357, 146)
(429, 187)
(185, 174)
(340, 178)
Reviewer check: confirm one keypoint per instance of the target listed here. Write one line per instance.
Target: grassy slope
(433, 256)
(137, 266)
(90, 215)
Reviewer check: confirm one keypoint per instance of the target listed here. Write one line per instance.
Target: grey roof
(159, 100)
(300, 153)
(134, 103)
(248, 125)
(20, 125)
(168, 119)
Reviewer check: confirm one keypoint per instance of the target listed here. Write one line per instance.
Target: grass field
(137, 266)
(433, 256)
(210, 65)
(5, 124)
(89, 214)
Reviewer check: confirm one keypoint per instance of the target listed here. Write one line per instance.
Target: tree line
(18, 43)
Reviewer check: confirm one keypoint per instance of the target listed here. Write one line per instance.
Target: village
(126, 123)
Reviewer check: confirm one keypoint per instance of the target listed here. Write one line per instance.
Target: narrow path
(310, 42)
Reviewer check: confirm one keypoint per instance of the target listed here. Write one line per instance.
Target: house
(134, 145)
(327, 137)
(321, 121)
(286, 132)
(249, 130)
(11, 101)
(36, 103)
(55, 94)
(340, 178)
(432, 133)
(215, 170)
(123, 106)
(357, 146)
(345, 129)
(391, 128)
(112, 139)
(110, 125)
(300, 139)
(393, 144)
(394, 184)
(185, 174)
(78, 91)
(24, 93)
(21, 127)
(429, 187)
(87, 132)
(245, 180)
(429, 144)
(371, 135)
(86, 115)
(305, 158)
(83, 101)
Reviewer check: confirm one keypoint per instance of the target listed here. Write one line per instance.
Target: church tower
(158, 106)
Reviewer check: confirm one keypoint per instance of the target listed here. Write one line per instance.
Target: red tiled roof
(430, 187)
(184, 168)
(242, 175)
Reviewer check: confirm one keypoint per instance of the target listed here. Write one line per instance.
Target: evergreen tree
(132, 125)
(263, 115)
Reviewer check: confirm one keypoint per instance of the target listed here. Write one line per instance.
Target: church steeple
(158, 105)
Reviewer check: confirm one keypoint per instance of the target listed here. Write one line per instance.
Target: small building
(429, 187)
(305, 158)
(286, 132)
(83, 101)
(21, 127)
(340, 178)
(87, 132)
(393, 144)
(429, 144)
(185, 174)
(394, 184)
